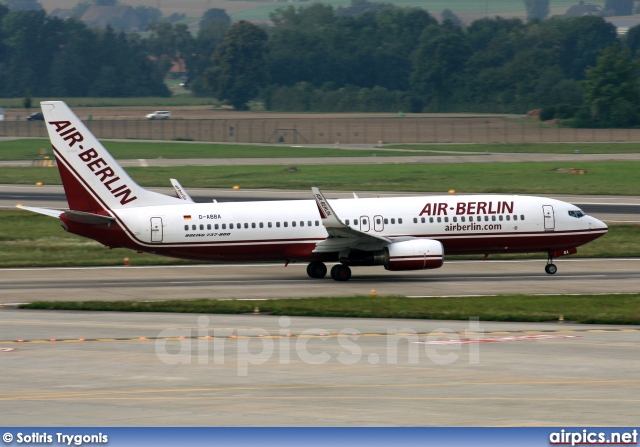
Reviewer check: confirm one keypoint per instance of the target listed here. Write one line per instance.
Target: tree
(537, 9)
(449, 16)
(215, 14)
(238, 70)
(612, 89)
(438, 70)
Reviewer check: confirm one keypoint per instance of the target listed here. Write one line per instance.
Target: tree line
(368, 57)
(402, 59)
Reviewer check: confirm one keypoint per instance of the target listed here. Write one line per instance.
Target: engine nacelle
(416, 254)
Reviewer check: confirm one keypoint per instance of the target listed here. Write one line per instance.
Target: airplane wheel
(340, 272)
(316, 269)
(551, 269)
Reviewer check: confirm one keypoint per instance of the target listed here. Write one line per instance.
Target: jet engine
(415, 254)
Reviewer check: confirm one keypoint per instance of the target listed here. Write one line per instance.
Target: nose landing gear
(550, 268)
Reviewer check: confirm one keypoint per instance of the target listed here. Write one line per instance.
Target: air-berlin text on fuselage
(464, 208)
(97, 164)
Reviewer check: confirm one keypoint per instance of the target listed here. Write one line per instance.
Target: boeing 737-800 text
(402, 233)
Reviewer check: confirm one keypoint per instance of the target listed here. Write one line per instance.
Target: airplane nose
(598, 224)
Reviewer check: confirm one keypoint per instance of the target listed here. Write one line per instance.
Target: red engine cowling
(416, 254)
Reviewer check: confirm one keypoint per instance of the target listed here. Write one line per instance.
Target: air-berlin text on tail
(463, 208)
(97, 164)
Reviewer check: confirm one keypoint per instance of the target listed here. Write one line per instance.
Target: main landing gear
(550, 268)
(339, 272)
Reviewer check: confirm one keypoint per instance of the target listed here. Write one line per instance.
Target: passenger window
(208, 226)
(423, 220)
(215, 226)
(461, 218)
(439, 219)
(364, 221)
(346, 222)
(508, 217)
(193, 227)
(302, 223)
(286, 224)
(246, 225)
(521, 216)
(261, 225)
(278, 224)
(493, 218)
(454, 219)
(231, 226)
(355, 222)
(269, 224)
(224, 226)
(486, 218)
(415, 220)
(253, 224)
(393, 220)
(317, 223)
(293, 224)
(309, 223)
(431, 220)
(446, 219)
(515, 217)
(400, 220)
(186, 227)
(500, 218)
(470, 218)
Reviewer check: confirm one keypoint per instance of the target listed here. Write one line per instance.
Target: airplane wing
(341, 236)
(180, 192)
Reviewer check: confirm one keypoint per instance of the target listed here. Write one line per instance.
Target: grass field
(30, 240)
(29, 149)
(601, 178)
(602, 309)
(529, 148)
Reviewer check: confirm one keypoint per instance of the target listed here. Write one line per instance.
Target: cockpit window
(577, 214)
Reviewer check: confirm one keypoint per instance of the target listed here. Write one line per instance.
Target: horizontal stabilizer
(88, 218)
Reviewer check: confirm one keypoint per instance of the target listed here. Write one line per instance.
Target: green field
(601, 309)
(601, 178)
(30, 149)
(33, 240)
(528, 148)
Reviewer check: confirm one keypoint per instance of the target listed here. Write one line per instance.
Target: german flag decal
(187, 217)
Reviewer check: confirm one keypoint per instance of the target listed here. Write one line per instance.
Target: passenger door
(549, 218)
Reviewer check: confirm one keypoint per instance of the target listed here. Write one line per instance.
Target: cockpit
(576, 213)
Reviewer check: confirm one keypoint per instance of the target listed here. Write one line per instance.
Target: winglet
(180, 192)
(329, 217)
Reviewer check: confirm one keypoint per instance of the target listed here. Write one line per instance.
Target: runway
(455, 278)
(117, 369)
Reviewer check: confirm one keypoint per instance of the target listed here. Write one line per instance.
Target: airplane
(399, 233)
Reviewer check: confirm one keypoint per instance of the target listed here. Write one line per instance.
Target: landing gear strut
(550, 268)
(316, 269)
(340, 272)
